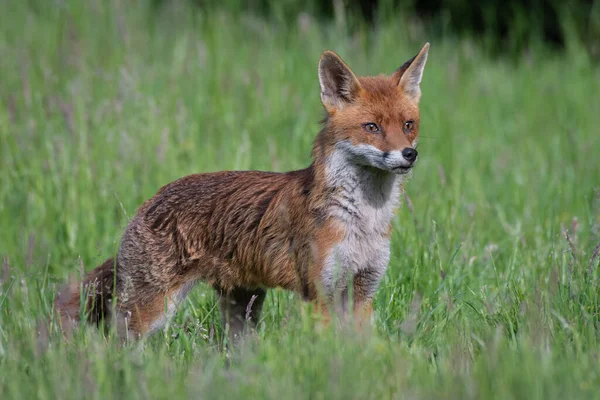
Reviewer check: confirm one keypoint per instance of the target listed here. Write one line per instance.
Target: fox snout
(395, 161)
(400, 161)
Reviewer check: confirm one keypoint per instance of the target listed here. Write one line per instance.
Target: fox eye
(409, 126)
(371, 127)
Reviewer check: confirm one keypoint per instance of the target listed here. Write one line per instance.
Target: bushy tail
(91, 300)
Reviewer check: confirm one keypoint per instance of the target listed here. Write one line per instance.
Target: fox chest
(362, 204)
(363, 249)
(357, 252)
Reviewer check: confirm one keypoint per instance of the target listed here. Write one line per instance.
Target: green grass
(103, 103)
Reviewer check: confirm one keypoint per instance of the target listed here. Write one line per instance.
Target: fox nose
(410, 154)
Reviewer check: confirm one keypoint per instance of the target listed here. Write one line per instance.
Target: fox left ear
(409, 75)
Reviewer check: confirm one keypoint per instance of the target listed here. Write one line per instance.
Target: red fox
(323, 231)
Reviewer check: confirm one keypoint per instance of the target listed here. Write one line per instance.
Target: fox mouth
(401, 170)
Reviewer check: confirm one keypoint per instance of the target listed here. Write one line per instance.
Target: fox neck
(357, 195)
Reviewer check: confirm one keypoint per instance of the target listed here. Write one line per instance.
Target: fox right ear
(339, 85)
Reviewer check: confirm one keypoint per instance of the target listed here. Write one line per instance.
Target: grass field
(492, 289)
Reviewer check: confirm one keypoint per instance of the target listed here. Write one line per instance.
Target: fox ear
(339, 85)
(410, 73)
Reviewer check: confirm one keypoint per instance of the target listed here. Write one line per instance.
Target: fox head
(374, 121)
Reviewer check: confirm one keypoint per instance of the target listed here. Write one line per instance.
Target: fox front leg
(365, 284)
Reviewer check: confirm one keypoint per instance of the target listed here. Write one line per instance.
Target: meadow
(492, 289)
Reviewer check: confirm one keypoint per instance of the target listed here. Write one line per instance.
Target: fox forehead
(382, 98)
(380, 101)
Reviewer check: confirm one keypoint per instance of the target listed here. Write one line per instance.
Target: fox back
(322, 231)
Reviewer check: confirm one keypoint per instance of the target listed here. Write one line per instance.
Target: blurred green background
(492, 289)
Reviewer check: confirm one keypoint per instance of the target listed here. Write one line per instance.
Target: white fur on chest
(363, 204)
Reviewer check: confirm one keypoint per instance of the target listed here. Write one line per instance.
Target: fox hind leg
(241, 308)
(149, 314)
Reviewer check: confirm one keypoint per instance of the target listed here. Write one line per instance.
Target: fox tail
(89, 300)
